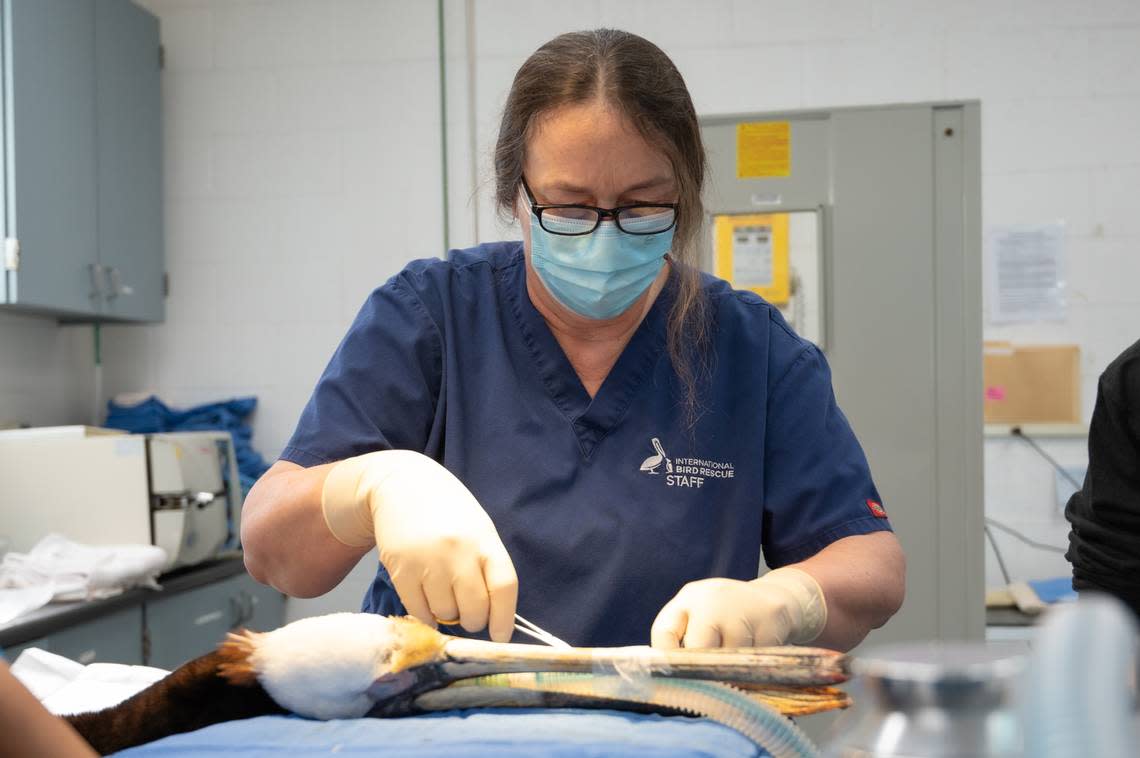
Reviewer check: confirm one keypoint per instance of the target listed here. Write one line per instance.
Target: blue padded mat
(464, 734)
(1056, 590)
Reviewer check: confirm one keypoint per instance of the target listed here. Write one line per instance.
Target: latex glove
(783, 606)
(442, 551)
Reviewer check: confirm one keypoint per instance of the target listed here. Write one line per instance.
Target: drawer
(267, 605)
(191, 623)
(114, 638)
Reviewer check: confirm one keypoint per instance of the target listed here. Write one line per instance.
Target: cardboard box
(1031, 384)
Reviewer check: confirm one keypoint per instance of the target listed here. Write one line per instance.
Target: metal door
(896, 191)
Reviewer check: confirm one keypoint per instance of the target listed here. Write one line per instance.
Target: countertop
(55, 616)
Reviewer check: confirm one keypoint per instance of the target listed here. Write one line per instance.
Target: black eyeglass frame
(538, 209)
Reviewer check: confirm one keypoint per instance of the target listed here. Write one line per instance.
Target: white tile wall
(45, 372)
(303, 163)
(303, 169)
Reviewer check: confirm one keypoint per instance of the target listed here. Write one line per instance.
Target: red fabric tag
(877, 509)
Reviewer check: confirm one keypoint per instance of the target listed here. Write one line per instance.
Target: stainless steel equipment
(1073, 693)
(177, 490)
(935, 700)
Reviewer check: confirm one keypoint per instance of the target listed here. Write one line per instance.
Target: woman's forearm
(863, 580)
(286, 541)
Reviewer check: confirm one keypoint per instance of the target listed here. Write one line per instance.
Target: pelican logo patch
(684, 472)
(877, 509)
(653, 463)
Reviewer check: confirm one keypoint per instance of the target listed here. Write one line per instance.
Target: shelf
(1038, 430)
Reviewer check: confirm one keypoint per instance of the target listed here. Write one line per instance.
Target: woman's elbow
(893, 586)
(253, 566)
(257, 538)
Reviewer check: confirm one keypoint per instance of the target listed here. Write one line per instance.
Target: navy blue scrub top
(607, 506)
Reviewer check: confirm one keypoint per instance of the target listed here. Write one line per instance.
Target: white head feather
(322, 666)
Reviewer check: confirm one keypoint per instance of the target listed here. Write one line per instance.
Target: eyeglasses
(572, 220)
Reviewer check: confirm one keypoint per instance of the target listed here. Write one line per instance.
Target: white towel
(59, 569)
(16, 602)
(64, 686)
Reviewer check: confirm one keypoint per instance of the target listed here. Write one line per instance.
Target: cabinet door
(266, 605)
(191, 623)
(49, 84)
(129, 128)
(114, 638)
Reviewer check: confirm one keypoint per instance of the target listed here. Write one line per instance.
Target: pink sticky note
(997, 392)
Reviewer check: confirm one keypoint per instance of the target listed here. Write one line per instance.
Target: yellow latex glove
(440, 547)
(785, 606)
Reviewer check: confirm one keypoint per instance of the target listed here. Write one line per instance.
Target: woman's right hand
(440, 547)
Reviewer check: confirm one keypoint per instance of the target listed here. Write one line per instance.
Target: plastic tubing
(716, 701)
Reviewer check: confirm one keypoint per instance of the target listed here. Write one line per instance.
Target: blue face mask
(598, 275)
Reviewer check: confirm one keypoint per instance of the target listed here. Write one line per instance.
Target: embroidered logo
(684, 472)
(653, 462)
(877, 509)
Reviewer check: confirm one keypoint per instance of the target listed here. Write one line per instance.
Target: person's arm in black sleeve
(1104, 542)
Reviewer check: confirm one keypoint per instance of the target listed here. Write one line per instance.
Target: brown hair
(634, 75)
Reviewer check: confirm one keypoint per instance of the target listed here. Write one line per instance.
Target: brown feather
(193, 696)
(235, 658)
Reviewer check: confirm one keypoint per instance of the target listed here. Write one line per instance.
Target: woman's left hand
(785, 605)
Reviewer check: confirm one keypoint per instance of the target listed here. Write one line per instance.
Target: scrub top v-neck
(607, 506)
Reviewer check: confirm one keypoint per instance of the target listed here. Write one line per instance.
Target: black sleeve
(1104, 542)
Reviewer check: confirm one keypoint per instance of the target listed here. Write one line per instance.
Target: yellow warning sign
(751, 252)
(763, 149)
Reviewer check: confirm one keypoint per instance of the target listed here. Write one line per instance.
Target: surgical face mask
(598, 275)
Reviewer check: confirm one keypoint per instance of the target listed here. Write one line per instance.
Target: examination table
(463, 734)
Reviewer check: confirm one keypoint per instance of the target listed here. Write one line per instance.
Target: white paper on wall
(1026, 272)
(752, 256)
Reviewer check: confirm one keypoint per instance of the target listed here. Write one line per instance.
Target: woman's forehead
(586, 144)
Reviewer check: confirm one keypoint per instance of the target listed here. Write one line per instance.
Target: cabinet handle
(247, 601)
(236, 612)
(241, 605)
(98, 274)
(118, 287)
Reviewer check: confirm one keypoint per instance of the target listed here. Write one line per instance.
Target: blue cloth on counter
(1056, 590)
(458, 734)
(153, 415)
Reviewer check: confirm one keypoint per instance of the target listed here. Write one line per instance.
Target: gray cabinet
(188, 617)
(82, 157)
(191, 623)
(114, 638)
(49, 155)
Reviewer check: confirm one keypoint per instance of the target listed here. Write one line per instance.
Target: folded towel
(64, 686)
(59, 569)
(17, 602)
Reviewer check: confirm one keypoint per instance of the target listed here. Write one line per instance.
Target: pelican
(653, 462)
(348, 665)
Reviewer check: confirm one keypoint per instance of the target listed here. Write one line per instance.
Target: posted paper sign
(1026, 273)
(763, 149)
(751, 251)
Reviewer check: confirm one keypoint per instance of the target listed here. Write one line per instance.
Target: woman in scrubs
(580, 426)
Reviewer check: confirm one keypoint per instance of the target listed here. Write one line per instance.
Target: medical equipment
(1074, 694)
(177, 490)
(537, 632)
(719, 702)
